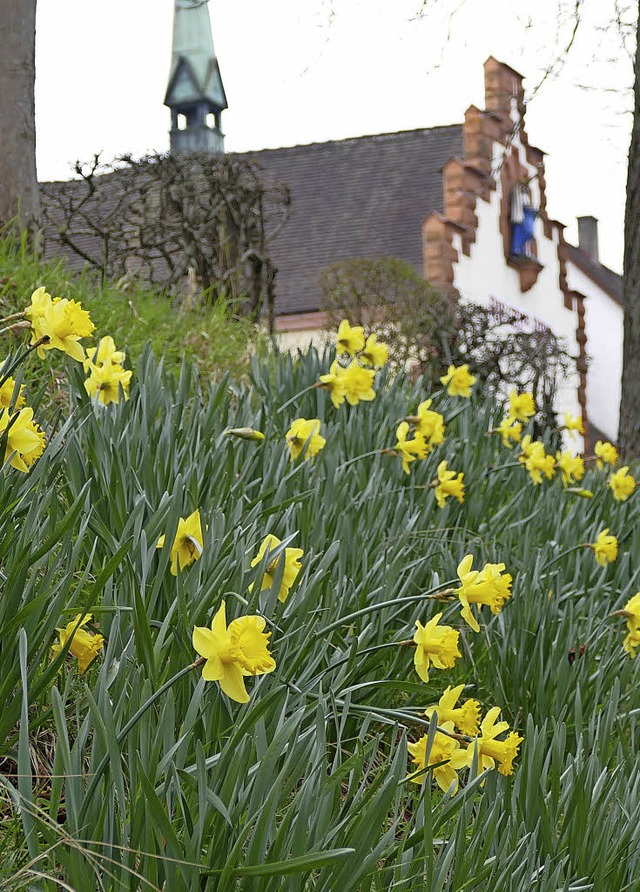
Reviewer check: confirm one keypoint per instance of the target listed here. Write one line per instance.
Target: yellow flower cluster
(233, 652)
(10, 398)
(605, 548)
(450, 752)
(24, 442)
(56, 324)
(21, 437)
(84, 645)
(303, 437)
(354, 382)
(458, 380)
(241, 648)
(187, 544)
(107, 376)
(62, 323)
(631, 612)
(460, 738)
(535, 460)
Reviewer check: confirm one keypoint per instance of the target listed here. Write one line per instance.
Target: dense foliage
(428, 329)
(210, 335)
(136, 773)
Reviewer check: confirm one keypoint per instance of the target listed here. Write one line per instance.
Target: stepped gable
(362, 197)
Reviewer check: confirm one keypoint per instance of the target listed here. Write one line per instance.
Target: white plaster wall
(303, 339)
(485, 275)
(604, 319)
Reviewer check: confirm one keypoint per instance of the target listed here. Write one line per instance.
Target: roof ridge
(349, 139)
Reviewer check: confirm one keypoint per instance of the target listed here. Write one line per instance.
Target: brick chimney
(588, 237)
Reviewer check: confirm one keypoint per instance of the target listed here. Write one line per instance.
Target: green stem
(359, 653)
(15, 327)
(358, 457)
(412, 599)
(120, 736)
(21, 358)
(511, 464)
(298, 395)
(14, 316)
(564, 554)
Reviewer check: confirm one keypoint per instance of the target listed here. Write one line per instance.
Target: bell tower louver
(195, 93)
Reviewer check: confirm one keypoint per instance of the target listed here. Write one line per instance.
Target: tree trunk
(19, 196)
(629, 434)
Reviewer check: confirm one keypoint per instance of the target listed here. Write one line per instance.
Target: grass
(141, 775)
(209, 336)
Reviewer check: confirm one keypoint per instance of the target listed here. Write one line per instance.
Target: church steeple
(195, 93)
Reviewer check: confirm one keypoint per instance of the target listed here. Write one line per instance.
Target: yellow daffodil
(580, 491)
(25, 441)
(449, 483)
(409, 450)
(6, 394)
(63, 321)
(491, 750)
(605, 548)
(104, 352)
(446, 754)
(374, 354)
(233, 652)
(245, 433)
(358, 383)
(459, 380)
(334, 382)
(607, 454)
(509, 429)
(437, 645)
(84, 646)
(106, 380)
(573, 423)
(631, 612)
(466, 718)
(349, 340)
(429, 424)
(535, 460)
(622, 484)
(304, 436)
(188, 543)
(572, 467)
(292, 566)
(522, 406)
(490, 586)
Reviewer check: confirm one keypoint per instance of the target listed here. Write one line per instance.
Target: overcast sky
(298, 71)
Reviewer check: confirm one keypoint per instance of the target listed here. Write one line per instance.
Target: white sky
(298, 71)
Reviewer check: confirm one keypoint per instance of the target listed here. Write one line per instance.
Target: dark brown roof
(608, 280)
(363, 197)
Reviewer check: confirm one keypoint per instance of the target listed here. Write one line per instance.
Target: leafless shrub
(158, 217)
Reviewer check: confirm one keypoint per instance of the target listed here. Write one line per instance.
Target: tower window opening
(182, 122)
(211, 120)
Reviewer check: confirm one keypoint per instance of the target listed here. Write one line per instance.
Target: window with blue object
(523, 217)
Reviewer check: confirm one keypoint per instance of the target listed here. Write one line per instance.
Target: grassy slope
(211, 337)
(313, 767)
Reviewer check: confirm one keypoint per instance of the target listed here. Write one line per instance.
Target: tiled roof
(363, 197)
(608, 280)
